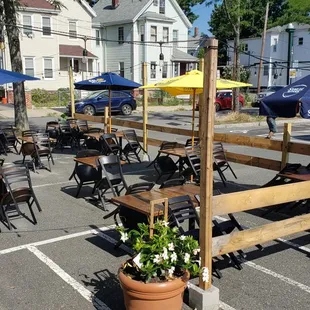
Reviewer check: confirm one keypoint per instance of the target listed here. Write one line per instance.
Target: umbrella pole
(193, 117)
(110, 112)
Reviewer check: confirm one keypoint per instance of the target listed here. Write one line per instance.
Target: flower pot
(153, 296)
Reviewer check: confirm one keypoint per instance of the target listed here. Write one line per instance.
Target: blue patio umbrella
(286, 101)
(13, 77)
(110, 81)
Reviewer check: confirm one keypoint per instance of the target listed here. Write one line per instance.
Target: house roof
(178, 55)
(284, 27)
(156, 16)
(38, 4)
(74, 51)
(125, 12)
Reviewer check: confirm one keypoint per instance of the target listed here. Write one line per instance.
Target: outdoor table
(178, 152)
(91, 161)
(30, 140)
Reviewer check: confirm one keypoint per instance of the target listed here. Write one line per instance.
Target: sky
(204, 13)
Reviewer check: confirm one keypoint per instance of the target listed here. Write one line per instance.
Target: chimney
(115, 4)
(196, 32)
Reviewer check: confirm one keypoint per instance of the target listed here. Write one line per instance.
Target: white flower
(186, 257)
(166, 224)
(175, 229)
(136, 260)
(165, 254)
(205, 274)
(157, 259)
(171, 271)
(171, 246)
(182, 237)
(196, 251)
(124, 236)
(199, 262)
(173, 257)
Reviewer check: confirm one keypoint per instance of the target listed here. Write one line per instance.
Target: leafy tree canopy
(187, 5)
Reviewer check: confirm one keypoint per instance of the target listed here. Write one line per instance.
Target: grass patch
(235, 117)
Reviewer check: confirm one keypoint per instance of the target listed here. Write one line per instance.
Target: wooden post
(286, 140)
(152, 206)
(71, 91)
(200, 100)
(110, 112)
(206, 175)
(145, 104)
(106, 117)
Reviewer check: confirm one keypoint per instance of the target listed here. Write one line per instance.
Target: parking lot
(67, 260)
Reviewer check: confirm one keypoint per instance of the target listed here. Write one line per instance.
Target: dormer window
(161, 6)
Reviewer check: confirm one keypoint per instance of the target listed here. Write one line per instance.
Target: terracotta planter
(153, 296)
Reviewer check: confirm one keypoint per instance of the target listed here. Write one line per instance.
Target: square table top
(97, 135)
(178, 151)
(141, 202)
(91, 161)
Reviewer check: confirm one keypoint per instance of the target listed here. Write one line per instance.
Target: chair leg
(32, 213)
(232, 171)
(221, 176)
(52, 159)
(7, 218)
(78, 189)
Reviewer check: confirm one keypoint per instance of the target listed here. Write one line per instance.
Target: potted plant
(157, 274)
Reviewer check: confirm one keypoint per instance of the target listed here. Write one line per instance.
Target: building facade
(284, 61)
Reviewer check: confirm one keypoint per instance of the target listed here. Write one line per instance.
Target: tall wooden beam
(206, 176)
(145, 104)
(71, 90)
(287, 131)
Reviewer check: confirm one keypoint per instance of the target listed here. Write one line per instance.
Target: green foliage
(244, 73)
(45, 98)
(163, 257)
(186, 6)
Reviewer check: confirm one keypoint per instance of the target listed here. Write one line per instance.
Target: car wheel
(217, 107)
(89, 110)
(126, 109)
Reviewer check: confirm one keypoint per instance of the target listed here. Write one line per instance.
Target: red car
(224, 100)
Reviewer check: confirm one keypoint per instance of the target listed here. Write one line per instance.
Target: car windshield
(274, 88)
(94, 94)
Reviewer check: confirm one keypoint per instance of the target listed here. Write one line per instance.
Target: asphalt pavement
(67, 260)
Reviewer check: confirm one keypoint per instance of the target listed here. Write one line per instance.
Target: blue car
(122, 101)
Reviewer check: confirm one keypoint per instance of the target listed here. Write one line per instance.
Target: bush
(45, 98)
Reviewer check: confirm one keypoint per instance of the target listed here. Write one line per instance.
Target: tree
(8, 14)
(245, 73)
(186, 6)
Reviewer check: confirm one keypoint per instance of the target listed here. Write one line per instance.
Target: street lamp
(290, 30)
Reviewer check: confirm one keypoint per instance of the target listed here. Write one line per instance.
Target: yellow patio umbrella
(191, 83)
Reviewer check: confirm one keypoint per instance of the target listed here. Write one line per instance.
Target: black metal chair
(92, 143)
(193, 159)
(109, 144)
(166, 145)
(84, 174)
(4, 144)
(173, 182)
(112, 177)
(11, 139)
(19, 190)
(42, 148)
(52, 129)
(66, 136)
(25, 134)
(133, 145)
(220, 163)
(82, 125)
(189, 142)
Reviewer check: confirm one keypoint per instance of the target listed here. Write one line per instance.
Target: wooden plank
(206, 132)
(258, 142)
(250, 237)
(259, 198)
(299, 148)
(129, 124)
(89, 118)
(287, 131)
(254, 161)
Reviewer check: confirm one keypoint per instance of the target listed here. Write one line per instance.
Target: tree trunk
(21, 117)
(236, 106)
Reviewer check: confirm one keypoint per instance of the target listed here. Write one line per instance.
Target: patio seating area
(89, 190)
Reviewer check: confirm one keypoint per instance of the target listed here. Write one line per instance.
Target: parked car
(224, 100)
(122, 101)
(269, 91)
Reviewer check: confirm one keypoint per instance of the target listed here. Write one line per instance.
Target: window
(46, 26)
(161, 6)
(121, 69)
(266, 70)
(275, 44)
(153, 34)
(244, 47)
(165, 70)
(300, 41)
(76, 67)
(155, 2)
(72, 29)
(27, 25)
(165, 34)
(142, 33)
(29, 66)
(153, 70)
(175, 35)
(176, 69)
(120, 35)
(97, 37)
(48, 68)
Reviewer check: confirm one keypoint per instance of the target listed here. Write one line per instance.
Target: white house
(52, 39)
(276, 69)
(130, 32)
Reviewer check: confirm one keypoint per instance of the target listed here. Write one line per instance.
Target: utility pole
(290, 30)
(262, 48)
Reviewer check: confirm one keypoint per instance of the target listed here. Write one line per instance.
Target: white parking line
(61, 238)
(224, 306)
(88, 295)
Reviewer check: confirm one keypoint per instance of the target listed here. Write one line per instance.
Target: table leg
(120, 139)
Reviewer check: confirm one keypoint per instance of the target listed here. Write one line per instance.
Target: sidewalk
(7, 111)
